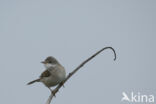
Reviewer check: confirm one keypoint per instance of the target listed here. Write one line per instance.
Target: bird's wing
(46, 73)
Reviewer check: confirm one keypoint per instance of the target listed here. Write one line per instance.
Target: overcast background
(71, 31)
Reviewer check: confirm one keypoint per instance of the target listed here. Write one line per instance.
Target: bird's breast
(56, 77)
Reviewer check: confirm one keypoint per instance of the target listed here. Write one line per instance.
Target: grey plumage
(53, 75)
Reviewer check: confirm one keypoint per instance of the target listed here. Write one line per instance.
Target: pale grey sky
(71, 31)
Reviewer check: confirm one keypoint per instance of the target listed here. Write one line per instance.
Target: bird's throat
(47, 65)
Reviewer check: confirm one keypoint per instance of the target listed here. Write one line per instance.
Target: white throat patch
(49, 65)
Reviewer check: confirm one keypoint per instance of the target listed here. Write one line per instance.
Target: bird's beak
(43, 62)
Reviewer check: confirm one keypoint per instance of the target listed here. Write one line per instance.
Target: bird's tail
(37, 80)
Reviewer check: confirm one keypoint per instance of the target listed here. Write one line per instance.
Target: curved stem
(76, 69)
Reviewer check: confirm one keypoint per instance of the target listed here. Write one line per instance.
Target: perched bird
(53, 75)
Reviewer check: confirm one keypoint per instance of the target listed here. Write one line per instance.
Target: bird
(53, 75)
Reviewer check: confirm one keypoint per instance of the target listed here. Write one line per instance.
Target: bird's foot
(62, 84)
(54, 92)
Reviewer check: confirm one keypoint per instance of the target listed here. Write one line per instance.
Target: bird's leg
(52, 92)
(50, 89)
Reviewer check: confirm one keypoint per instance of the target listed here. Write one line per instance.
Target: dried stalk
(75, 70)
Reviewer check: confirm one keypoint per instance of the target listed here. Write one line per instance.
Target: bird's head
(50, 62)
